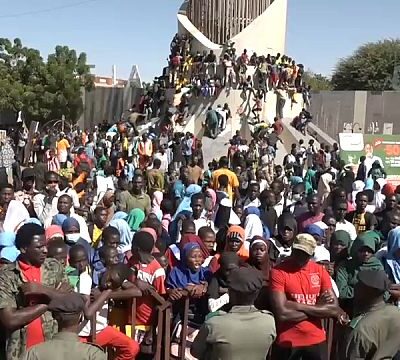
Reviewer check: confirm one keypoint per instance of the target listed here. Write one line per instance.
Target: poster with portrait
(384, 149)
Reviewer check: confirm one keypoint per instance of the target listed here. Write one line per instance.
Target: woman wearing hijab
(72, 235)
(210, 202)
(135, 219)
(235, 241)
(190, 278)
(310, 181)
(15, 216)
(53, 232)
(125, 235)
(107, 202)
(392, 259)
(8, 250)
(324, 188)
(173, 253)
(362, 258)
(281, 245)
(340, 246)
(158, 197)
(185, 206)
(224, 218)
(259, 260)
(252, 223)
(120, 215)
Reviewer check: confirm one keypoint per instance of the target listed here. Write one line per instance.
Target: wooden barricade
(163, 336)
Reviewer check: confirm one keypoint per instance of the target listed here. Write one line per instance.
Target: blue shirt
(179, 190)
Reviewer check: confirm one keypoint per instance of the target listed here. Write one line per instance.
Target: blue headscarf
(393, 261)
(185, 203)
(181, 275)
(9, 253)
(120, 215)
(68, 223)
(59, 219)
(125, 234)
(252, 210)
(33, 221)
(369, 184)
(295, 180)
(7, 239)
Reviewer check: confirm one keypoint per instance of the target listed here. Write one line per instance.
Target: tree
(43, 91)
(371, 67)
(318, 82)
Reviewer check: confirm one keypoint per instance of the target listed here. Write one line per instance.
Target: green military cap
(245, 280)
(71, 303)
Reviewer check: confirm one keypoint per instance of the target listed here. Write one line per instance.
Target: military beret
(245, 280)
(376, 279)
(71, 303)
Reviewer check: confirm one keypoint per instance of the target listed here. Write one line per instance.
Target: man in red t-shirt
(277, 126)
(301, 295)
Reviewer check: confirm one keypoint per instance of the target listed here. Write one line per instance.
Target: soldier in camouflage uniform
(18, 286)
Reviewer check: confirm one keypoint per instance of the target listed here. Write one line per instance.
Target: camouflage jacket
(11, 279)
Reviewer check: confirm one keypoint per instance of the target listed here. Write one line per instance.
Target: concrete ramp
(241, 120)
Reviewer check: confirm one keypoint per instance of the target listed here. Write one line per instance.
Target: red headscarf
(191, 238)
(388, 189)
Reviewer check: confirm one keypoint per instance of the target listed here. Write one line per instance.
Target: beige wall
(265, 35)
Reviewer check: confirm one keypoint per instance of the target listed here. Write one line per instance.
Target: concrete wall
(267, 33)
(358, 111)
(107, 103)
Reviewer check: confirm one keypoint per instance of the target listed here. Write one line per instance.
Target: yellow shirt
(62, 145)
(96, 236)
(233, 181)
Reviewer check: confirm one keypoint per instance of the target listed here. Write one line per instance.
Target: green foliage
(318, 82)
(42, 90)
(369, 68)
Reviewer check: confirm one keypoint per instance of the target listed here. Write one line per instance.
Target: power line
(34, 12)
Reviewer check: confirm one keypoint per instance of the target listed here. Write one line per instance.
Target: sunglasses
(52, 182)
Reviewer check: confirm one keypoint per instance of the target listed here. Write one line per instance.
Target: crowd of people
(207, 75)
(269, 255)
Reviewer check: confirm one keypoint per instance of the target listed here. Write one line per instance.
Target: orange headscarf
(239, 233)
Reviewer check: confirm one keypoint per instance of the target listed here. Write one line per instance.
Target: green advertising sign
(382, 148)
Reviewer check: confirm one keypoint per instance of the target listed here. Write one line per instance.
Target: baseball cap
(306, 243)
(376, 279)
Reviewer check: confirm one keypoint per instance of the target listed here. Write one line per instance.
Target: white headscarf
(253, 227)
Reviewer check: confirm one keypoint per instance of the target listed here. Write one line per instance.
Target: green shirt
(65, 346)
(11, 279)
(373, 335)
(243, 333)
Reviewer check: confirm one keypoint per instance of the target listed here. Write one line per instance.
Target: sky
(128, 32)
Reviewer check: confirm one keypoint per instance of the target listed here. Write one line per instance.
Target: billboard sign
(375, 147)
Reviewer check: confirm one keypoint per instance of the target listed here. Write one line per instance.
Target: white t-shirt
(84, 288)
(348, 227)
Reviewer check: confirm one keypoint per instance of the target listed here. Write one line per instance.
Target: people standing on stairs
(212, 122)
